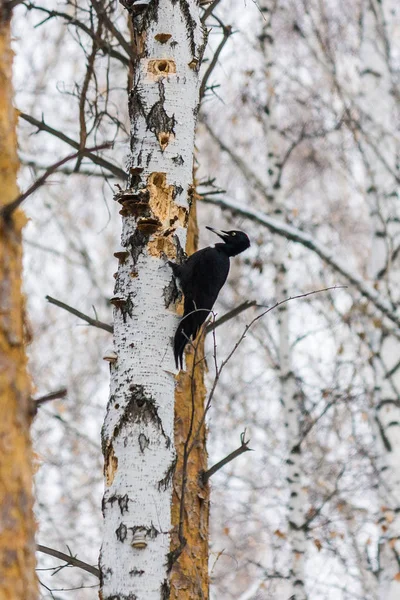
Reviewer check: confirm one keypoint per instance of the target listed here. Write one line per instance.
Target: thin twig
(65, 170)
(205, 475)
(209, 10)
(230, 315)
(7, 210)
(218, 370)
(227, 29)
(97, 160)
(85, 87)
(102, 15)
(103, 44)
(305, 239)
(52, 396)
(11, 4)
(71, 560)
(81, 315)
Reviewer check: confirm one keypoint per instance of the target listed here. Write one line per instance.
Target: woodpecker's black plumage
(200, 279)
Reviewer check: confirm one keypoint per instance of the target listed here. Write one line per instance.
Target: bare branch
(245, 170)
(218, 370)
(297, 235)
(70, 560)
(80, 315)
(230, 315)
(7, 210)
(52, 396)
(97, 160)
(227, 29)
(103, 44)
(205, 475)
(103, 16)
(36, 166)
(209, 10)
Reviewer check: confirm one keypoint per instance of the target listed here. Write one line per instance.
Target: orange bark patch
(161, 67)
(189, 575)
(162, 37)
(17, 546)
(164, 138)
(110, 466)
(168, 213)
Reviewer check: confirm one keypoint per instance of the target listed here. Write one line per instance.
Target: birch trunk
(138, 432)
(297, 502)
(378, 60)
(17, 525)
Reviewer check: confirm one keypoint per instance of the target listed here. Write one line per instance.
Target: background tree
(17, 558)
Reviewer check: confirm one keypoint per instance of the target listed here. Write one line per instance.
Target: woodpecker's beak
(222, 234)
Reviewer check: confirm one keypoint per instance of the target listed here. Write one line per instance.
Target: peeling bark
(189, 577)
(17, 525)
(139, 426)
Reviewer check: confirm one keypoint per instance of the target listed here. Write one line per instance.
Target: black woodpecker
(200, 279)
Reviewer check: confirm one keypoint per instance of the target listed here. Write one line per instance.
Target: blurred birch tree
(17, 524)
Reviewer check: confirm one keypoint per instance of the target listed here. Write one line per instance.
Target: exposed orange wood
(17, 525)
(189, 577)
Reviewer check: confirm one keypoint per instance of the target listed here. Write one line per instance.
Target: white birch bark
(137, 435)
(297, 501)
(379, 63)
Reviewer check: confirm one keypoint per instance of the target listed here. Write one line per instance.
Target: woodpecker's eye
(233, 233)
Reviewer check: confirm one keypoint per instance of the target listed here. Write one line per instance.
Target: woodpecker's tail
(180, 340)
(188, 328)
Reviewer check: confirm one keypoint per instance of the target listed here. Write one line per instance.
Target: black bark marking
(125, 305)
(171, 293)
(177, 191)
(165, 590)
(104, 574)
(141, 408)
(141, 16)
(123, 503)
(157, 120)
(166, 480)
(136, 245)
(150, 532)
(178, 160)
(190, 25)
(121, 532)
(136, 572)
(135, 110)
(121, 597)
(144, 442)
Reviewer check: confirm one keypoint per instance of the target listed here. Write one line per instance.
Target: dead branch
(205, 475)
(209, 10)
(230, 315)
(97, 160)
(80, 315)
(227, 30)
(297, 235)
(219, 369)
(70, 560)
(103, 44)
(8, 209)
